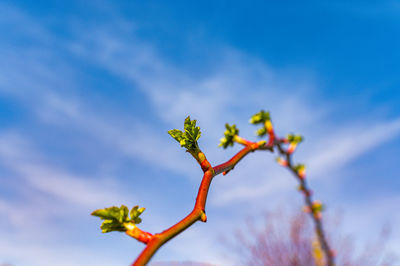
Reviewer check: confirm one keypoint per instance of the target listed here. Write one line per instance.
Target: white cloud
(47, 204)
(130, 137)
(346, 143)
(236, 88)
(330, 152)
(230, 92)
(213, 96)
(35, 254)
(29, 166)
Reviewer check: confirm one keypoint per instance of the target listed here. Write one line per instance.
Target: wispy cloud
(32, 253)
(47, 85)
(237, 80)
(328, 154)
(41, 195)
(27, 164)
(344, 144)
(130, 137)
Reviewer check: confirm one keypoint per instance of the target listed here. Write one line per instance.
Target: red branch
(154, 242)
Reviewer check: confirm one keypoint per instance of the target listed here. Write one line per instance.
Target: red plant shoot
(117, 218)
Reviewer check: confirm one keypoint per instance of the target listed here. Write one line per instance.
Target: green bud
(298, 139)
(115, 218)
(297, 167)
(294, 138)
(188, 138)
(229, 135)
(260, 117)
(261, 132)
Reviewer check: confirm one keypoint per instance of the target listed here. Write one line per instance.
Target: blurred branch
(117, 219)
(292, 243)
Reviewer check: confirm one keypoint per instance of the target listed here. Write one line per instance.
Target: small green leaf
(298, 139)
(135, 213)
(112, 225)
(115, 218)
(261, 132)
(123, 213)
(229, 135)
(102, 213)
(112, 213)
(260, 117)
(176, 134)
(317, 206)
(188, 138)
(298, 167)
(294, 138)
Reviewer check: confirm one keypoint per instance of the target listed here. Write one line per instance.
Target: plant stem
(229, 165)
(198, 212)
(309, 203)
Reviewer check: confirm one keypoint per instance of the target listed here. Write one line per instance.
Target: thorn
(332, 252)
(203, 216)
(282, 162)
(292, 147)
(227, 171)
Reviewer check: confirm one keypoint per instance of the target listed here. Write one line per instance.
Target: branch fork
(117, 219)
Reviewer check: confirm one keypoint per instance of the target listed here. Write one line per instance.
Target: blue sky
(89, 89)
